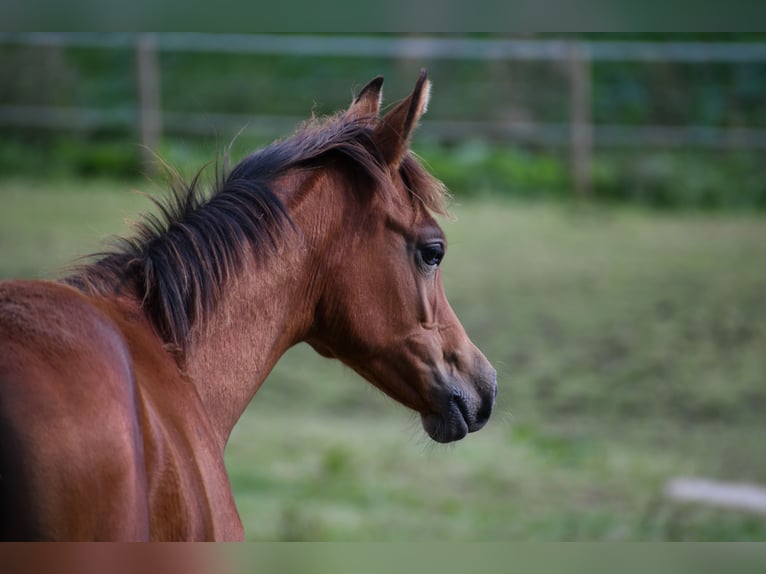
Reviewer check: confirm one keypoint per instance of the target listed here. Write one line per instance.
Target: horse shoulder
(190, 497)
(71, 455)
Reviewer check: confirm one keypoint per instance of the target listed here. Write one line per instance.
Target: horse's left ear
(393, 132)
(367, 104)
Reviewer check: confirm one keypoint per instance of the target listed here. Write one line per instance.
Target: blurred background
(608, 256)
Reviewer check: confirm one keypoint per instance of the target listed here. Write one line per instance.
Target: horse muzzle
(462, 410)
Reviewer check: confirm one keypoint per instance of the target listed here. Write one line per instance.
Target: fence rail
(579, 134)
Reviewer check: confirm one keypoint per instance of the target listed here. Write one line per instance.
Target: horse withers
(120, 384)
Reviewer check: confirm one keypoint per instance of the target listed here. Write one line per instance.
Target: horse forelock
(178, 260)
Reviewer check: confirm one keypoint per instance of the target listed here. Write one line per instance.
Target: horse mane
(178, 261)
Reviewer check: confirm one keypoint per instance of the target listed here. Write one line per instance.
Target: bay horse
(120, 384)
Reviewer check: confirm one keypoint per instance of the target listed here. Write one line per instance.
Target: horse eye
(432, 254)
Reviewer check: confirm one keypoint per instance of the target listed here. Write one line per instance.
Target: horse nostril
(482, 416)
(458, 401)
(485, 410)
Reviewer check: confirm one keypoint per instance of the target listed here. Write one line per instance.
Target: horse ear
(367, 103)
(393, 132)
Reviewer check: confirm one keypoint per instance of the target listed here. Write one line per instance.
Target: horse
(121, 382)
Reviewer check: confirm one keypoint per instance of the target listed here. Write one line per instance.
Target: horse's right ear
(393, 132)
(367, 103)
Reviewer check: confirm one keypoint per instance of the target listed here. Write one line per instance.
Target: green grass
(630, 350)
(45, 227)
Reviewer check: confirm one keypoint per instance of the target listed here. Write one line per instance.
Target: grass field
(630, 346)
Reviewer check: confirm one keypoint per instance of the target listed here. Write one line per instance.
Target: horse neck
(267, 309)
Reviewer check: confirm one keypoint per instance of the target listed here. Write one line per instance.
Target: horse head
(382, 309)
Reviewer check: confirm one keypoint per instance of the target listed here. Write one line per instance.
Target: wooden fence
(579, 134)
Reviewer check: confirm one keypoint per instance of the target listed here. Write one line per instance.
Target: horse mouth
(450, 425)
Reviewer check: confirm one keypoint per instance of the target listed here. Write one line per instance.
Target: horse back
(71, 452)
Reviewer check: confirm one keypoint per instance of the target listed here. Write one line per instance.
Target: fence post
(581, 129)
(149, 114)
